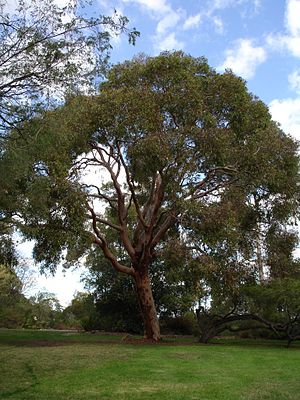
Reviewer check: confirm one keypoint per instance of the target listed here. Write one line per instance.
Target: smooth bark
(147, 306)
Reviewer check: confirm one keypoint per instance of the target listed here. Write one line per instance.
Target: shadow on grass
(32, 376)
(24, 338)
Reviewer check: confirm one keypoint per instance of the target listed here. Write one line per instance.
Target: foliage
(115, 298)
(180, 325)
(44, 312)
(177, 142)
(82, 312)
(13, 304)
(17, 280)
(47, 50)
(237, 243)
(278, 303)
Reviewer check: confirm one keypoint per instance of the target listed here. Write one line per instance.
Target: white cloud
(170, 43)
(63, 284)
(192, 22)
(61, 3)
(294, 81)
(293, 17)
(8, 6)
(287, 113)
(103, 3)
(291, 40)
(219, 25)
(157, 6)
(220, 4)
(244, 58)
(168, 21)
(217, 4)
(213, 7)
(285, 42)
(257, 5)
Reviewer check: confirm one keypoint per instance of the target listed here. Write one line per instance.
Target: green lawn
(62, 366)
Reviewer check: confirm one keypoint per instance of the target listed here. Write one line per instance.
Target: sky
(258, 39)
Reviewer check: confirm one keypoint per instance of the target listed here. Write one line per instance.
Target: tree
(166, 137)
(238, 243)
(16, 279)
(115, 298)
(277, 304)
(10, 286)
(47, 51)
(44, 312)
(8, 253)
(82, 312)
(13, 304)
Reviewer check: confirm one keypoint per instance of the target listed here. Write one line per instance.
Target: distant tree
(27, 275)
(10, 286)
(8, 253)
(82, 312)
(13, 304)
(15, 279)
(45, 311)
(48, 51)
(171, 136)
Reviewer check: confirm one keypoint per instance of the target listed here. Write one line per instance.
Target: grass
(55, 365)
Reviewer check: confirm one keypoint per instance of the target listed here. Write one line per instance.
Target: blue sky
(258, 39)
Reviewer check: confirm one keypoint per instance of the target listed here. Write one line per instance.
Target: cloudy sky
(258, 39)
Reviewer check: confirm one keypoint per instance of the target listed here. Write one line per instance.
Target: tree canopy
(165, 139)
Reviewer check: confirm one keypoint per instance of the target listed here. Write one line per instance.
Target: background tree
(82, 312)
(8, 253)
(277, 304)
(10, 298)
(171, 137)
(44, 312)
(239, 252)
(47, 51)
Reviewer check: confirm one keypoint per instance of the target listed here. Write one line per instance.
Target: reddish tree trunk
(147, 306)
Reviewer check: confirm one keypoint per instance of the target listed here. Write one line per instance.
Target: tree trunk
(147, 306)
(205, 337)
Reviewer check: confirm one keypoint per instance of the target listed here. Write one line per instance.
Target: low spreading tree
(166, 136)
(277, 304)
(240, 250)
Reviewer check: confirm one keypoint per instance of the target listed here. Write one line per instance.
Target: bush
(182, 325)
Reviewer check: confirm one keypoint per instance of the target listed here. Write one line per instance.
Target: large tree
(166, 137)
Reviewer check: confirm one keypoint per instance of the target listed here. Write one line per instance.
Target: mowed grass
(55, 365)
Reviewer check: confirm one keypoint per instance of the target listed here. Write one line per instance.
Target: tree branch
(99, 239)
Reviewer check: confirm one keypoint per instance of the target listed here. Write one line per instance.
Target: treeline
(187, 303)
